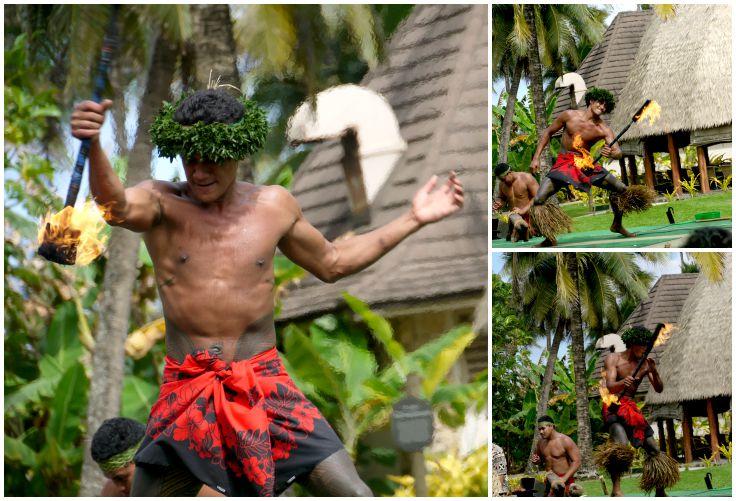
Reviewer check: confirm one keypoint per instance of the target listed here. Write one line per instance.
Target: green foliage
(215, 142)
(722, 184)
(331, 361)
(523, 141)
(450, 475)
(690, 185)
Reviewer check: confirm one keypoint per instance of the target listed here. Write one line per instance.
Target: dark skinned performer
(561, 458)
(627, 424)
(212, 240)
(591, 127)
(516, 191)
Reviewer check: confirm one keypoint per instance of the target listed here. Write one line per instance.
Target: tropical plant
(671, 196)
(450, 475)
(690, 185)
(332, 364)
(723, 185)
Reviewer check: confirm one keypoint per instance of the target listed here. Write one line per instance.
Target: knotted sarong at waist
(628, 414)
(565, 171)
(243, 428)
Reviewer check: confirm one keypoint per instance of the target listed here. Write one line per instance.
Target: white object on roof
(609, 340)
(351, 106)
(574, 79)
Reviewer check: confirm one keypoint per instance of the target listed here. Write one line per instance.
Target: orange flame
(76, 226)
(584, 161)
(650, 112)
(664, 334)
(607, 397)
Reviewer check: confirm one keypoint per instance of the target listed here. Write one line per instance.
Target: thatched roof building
(683, 63)
(435, 78)
(695, 364)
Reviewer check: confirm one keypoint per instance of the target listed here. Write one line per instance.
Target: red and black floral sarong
(242, 428)
(628, 414)
(566, 172)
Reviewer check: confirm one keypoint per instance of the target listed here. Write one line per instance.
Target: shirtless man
(591, 128)
(228, 415)
(516, 191)
(561, 458)
(625, 421)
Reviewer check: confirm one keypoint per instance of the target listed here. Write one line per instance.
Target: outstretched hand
(430, 204)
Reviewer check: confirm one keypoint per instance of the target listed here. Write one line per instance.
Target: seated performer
(588, 127)
(228, 415)
(113, 446)
(625, 422)
(516, 192)
(561, 458)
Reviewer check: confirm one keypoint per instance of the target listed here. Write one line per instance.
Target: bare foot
(619, 228)
(617, 493)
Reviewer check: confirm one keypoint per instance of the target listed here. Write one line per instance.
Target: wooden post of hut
(674, 153)
(671, 438)
(687, 433)
(622, 165)
(713, 426)
(703, 168)
(648, 166)
(632, 169)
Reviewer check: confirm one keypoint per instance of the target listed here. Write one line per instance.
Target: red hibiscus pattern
(566, 171)
(240, 416)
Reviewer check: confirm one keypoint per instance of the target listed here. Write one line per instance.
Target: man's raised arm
(555, 126)
(137, 208)
(330, 261)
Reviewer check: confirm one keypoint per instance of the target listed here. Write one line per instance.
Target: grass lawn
(685, 210)
(689, 481)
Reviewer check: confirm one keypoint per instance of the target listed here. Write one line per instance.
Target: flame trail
(650, 112)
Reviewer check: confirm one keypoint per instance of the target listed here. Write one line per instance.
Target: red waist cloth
(565, 171)
(568, 483)
(231, 423)
(629, 414)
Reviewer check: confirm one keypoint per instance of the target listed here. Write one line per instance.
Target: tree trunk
(213, 51)
(537, 90)
(508, 118)
(120, 273)
(585, 441)
(549, 372)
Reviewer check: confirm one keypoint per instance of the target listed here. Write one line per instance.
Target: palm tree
(538, 36)
(553, 295)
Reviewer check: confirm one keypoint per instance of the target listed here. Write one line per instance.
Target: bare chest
(235, 245)
(589, 132)
(554, 450)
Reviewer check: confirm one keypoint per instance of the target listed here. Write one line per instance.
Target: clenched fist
(88, 118)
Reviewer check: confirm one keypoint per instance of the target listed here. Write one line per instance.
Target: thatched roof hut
(701, 349)
(684, 63)
(695, 365)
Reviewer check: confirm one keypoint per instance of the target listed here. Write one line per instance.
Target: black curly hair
(501, 168)
(636, 336)
(115, 436)
(209, 106)
(602, 96)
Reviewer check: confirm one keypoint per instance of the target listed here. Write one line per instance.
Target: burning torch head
(72, 236)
